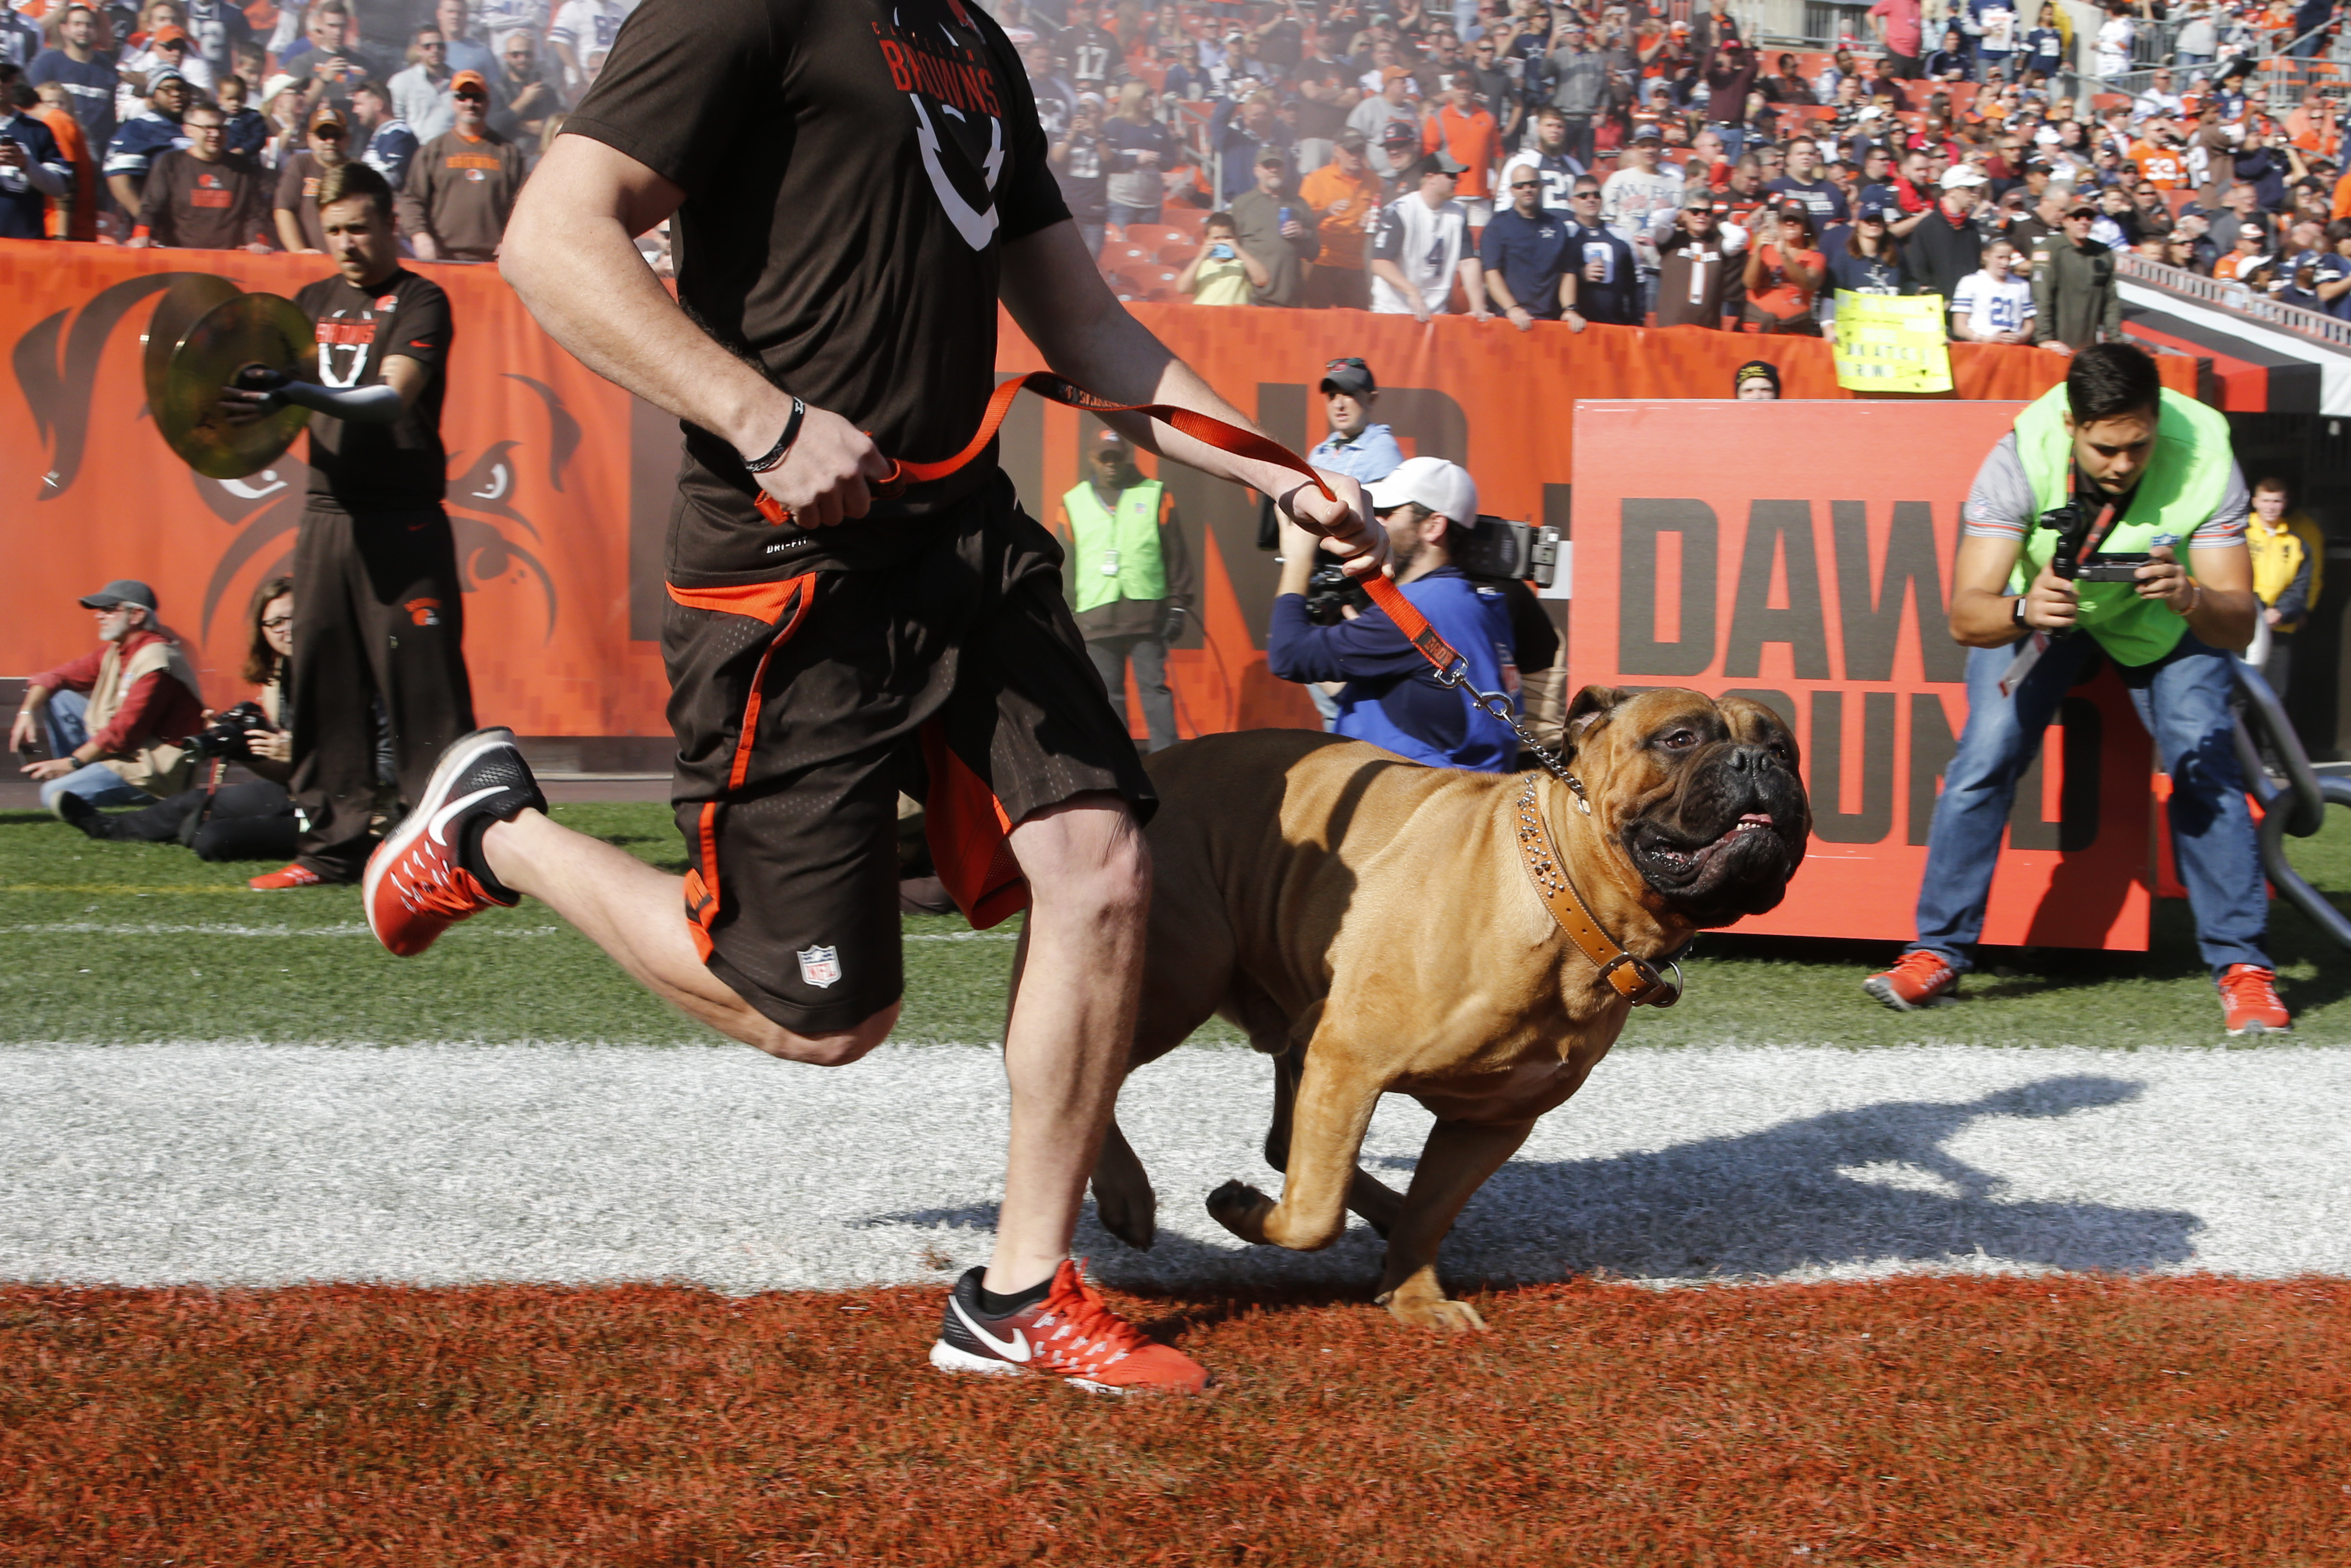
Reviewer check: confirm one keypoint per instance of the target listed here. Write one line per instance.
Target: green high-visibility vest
(1127, 541)
(2181, 490)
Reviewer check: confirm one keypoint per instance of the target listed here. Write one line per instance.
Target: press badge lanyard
(2029, 652)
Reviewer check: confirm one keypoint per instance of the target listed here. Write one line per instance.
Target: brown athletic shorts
(803, 706)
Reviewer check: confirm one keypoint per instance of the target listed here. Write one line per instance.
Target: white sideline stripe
(257, 1164)
(356, 929)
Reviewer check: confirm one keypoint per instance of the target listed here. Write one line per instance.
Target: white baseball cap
(1960, 176)
(1445, 488)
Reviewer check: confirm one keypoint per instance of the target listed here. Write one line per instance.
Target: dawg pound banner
(1800, 554)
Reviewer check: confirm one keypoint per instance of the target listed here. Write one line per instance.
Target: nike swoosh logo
(1014, 1349)
(441, 818)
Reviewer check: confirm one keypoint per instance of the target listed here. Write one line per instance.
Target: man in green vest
(2155, 471)
(1128, 578)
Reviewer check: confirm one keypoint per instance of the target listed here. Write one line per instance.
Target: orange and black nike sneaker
(1067, 1331)
(1920, 978)
(429, 874)
(2249, 1002)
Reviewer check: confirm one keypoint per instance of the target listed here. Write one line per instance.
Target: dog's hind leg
(1123, 1200)
(1454, 1164)
(1331, 1107)
(1378, 1203)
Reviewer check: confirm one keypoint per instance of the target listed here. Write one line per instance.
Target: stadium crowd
(1579, 163)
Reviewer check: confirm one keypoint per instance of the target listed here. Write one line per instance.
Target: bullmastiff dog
(1473, 940)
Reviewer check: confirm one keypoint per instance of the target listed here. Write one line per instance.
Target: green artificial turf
(136, 942)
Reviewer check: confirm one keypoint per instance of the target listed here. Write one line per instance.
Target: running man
(855, 188)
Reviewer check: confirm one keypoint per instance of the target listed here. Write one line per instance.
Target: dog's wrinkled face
(1703, 797)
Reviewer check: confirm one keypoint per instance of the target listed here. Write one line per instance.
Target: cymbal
(252, 329)
(190, 298)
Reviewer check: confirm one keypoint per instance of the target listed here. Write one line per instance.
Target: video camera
(225, 737)
(1497, 549)
(2073, 522)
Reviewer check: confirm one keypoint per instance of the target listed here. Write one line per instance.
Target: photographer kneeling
(252, 820)
(1393, 697)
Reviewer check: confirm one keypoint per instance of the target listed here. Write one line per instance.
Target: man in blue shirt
(31, 167)
(147, 136)
(1604, 280)
(1525, 250)
(86, 74)
(1356, 448)
(1392, 697)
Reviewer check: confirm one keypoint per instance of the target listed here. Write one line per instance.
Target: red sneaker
(2249, 998)
(428, 874)
(1071, 1333)
(1920, 978)
(295, 875)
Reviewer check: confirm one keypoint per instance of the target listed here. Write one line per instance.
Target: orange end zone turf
(1920, 1421)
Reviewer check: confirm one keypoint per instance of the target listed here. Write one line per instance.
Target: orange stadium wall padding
(1817, 586)
(559, 484)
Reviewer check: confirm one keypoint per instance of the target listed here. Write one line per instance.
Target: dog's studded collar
(1635, 980)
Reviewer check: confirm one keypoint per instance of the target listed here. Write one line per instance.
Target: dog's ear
(1591, 704)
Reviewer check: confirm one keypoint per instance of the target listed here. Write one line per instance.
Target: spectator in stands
(1355, 446)
(1141, 155)
(1461, 127)
(1697, 282)
(1344, 197)
(2250, 249)
(1076, 154)
(1550, 158)
(2289, 561)
(1641, 188)
(33, 167)
(1243, 140)
(1994, 304)
(1803, 181)
(162, 45)
(386, 142)
(1946, 245)
(328, 53)
(1900, 27)
(1757, 381)
(73, 215)
(522, 97)
(108, 719)
(1524, 253)
(2075, 302)
(1784, 270)
(1421, 244)
(249, 819)
(145, 136)
(1391, 106)
(84, 72)
(297, 204)
(1730, 79)
(1574, 79)
(462, 51)
(422, 95)
(2113, 436)
(1869, 258)
(1392, 697)
(2332, 273)
(1604, 278)
(1950, 62)
(2267, 161)
(1221, 272)
(2159, 101)
(1128, 578)
(204, 198)
(461, 189)
(1270, 221)
(243, 133)
(581, 34)
(20, 41)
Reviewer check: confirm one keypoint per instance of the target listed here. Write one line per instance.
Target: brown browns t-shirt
(219, 205)
(850, 169)
(297, 193)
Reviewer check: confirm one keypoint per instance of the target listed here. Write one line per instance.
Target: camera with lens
(225, 737)
(1329, 591)
(2072, 523)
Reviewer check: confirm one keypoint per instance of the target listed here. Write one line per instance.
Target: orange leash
(1200, 427)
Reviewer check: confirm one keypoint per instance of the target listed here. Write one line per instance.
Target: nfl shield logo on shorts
(820, 966)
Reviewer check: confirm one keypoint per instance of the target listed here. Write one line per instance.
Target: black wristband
(774, 456)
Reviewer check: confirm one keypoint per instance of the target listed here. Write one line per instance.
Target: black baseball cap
(1350, 376)
(122, 590)
(1757, 371)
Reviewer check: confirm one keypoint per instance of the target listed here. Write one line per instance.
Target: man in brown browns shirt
(201, 196)
(459, 191)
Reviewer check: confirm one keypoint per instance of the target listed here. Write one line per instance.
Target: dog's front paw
(1241, 1209)
(1451, 1317)
(1131, 1217)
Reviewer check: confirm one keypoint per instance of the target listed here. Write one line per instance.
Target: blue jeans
(2183, 700)
(64, 718)
(1121, 215)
